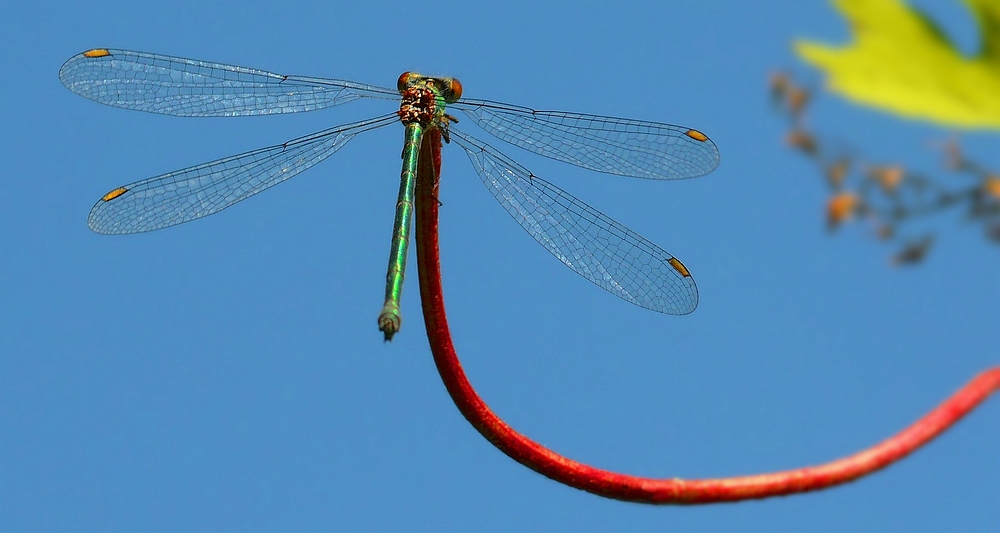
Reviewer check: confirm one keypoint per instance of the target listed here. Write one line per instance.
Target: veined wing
(624, 147)
(198, 191)
(605, 252)
(191, 88)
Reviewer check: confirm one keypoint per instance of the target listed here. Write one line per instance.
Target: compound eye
(453, 91)
(404, 81)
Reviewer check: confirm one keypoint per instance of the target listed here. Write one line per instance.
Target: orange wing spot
(114, 194)
(679, 267)
(696, 135)
(97, 52)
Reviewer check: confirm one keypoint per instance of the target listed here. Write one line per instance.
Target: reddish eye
(454, 90)
(403, 81)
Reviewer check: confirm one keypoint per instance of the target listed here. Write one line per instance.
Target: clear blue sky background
(227, 375)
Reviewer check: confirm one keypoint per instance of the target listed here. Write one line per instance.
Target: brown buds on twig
(840, 208)
(887, 195)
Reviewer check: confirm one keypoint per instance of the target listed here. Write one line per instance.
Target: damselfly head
(449, 88)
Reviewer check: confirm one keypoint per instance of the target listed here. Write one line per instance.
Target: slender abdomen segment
(389, 320)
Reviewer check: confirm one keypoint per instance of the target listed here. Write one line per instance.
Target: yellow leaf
(902, 63)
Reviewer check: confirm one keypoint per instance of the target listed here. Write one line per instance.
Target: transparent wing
(618, 146)
(605, 252)
(192, 88)
(198, 191)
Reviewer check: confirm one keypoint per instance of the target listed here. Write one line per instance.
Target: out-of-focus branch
(888, 195)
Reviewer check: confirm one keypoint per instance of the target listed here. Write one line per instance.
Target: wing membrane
(191, 88)
(202, 190)
(605, 252)
(618, 146)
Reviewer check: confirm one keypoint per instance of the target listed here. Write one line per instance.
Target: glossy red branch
(632, 488)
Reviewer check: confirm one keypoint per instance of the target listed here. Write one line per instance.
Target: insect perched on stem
(584, 239)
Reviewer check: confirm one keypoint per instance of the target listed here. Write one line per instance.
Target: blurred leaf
(901, 62)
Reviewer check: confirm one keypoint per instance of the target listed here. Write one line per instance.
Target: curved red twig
(632, 488)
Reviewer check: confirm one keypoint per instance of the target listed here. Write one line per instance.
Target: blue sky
(227, 374)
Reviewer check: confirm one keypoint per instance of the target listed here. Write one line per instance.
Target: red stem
(632, 488)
